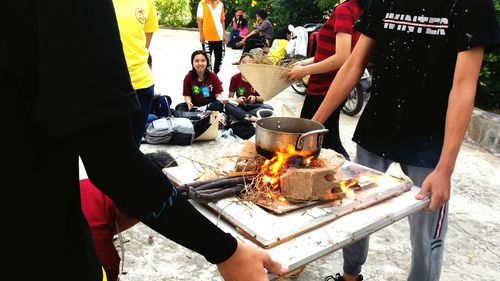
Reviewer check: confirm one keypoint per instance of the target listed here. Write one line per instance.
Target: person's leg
(427, 234)
(139, 119)
(216, 106)
(207, 49)
(355, 254)
(235, 111)
(332, 138)
(252, 42)
(219, 52)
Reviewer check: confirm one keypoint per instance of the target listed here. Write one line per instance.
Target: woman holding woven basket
(336, 40)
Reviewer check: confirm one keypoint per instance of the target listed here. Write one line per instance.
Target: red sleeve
(99, 211)
(344, 20)
(232, 85)
(217, 85)
(186, 89)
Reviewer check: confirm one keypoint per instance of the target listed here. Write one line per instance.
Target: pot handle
(300, 140)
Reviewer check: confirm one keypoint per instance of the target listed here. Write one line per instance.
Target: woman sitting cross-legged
(247, 100)
(202, 88)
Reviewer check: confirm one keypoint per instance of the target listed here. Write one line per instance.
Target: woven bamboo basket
(265, 78)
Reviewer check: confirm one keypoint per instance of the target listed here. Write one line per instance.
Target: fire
(346, 184)
(366, 180)
(273, 168)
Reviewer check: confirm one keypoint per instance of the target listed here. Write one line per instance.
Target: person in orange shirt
(211, 25)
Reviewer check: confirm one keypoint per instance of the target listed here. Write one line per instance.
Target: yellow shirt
(212, 17)
(135, 19)
(278, 50)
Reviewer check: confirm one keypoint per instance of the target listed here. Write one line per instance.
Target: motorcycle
(354, 102)
(360, 93)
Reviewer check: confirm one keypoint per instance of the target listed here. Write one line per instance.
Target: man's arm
(149, 37)
(224, 37)
(253, 32)
(334, 62)
(460, 106)
(346, 79)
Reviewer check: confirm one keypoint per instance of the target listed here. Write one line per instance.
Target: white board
(267, 229)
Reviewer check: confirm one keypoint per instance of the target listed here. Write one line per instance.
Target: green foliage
(193, 6)
(282, 12)
(488, 92)
(173, 13)
(296, 12)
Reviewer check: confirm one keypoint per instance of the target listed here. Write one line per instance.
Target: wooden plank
(316, 243)
(267, 229)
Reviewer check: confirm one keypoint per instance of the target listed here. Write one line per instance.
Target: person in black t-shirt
(50, 72)
(427, 57)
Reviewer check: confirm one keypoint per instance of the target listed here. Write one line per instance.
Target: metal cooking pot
(275, 134)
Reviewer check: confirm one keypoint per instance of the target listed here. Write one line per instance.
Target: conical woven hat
(266, 79)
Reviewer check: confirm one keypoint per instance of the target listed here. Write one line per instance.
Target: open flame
(273, 168)
(348, 183)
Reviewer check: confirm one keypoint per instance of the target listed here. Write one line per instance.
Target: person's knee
(216, 106)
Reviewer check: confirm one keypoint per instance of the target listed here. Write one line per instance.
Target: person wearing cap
(239, 29)
(211, 25)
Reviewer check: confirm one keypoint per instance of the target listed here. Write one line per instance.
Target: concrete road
(472, 249)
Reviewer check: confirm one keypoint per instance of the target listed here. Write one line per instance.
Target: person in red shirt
(106, 220)
(247, 100)
(336, 40)
(202, 87)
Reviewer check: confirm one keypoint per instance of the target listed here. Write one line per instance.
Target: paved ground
(472, 248)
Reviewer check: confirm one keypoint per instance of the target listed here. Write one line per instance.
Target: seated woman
(202, 88)
(239, 29)
(247, 101)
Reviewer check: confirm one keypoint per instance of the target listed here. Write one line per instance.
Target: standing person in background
(137, 20)
(427, 57)
(211, 25)
(262, 36)
(42, 206)
(335, 42)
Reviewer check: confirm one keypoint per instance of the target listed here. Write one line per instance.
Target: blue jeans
(427, 230)
(139, 119)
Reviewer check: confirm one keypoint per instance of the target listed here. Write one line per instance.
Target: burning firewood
(290, 175)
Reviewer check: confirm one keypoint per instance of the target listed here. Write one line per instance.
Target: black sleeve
(479, 26)
(141, 190)
(370, 19)
(82, 72)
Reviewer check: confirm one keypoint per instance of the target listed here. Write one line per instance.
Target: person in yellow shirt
(137, 20)
(277, 52)
(211, 25)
